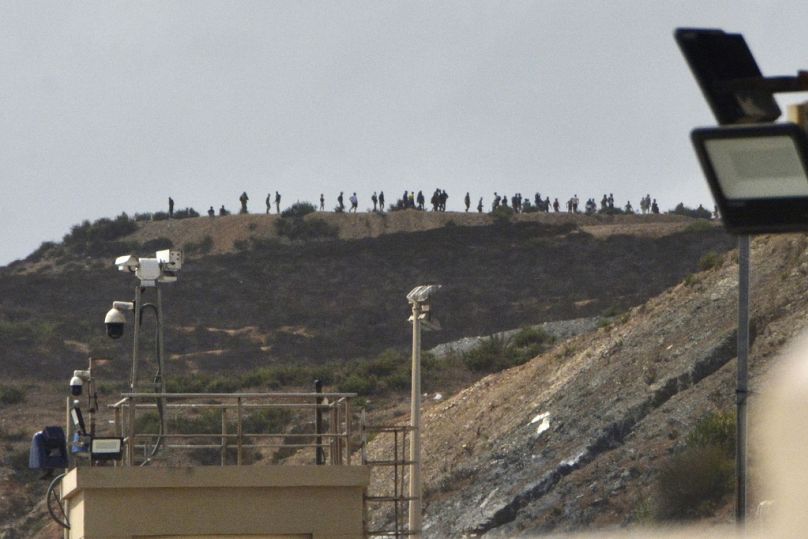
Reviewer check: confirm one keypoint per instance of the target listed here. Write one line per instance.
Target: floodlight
(106, 448)
(758, 175)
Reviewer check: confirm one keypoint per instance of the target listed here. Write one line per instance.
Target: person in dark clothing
(381, 201)
(268, 201)
(375, 200)
(243, 199)
(223, 211)
(211, 212)
(420, 199)
(340, 203)
(277, 202)
(654, 207)
(480, 205)
(467, 201)
(322, 203)
(443, 197)
(170, 207)
(556, 205)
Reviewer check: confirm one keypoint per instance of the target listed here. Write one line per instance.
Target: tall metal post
(414, 492)
(741, 390)
(136, 339)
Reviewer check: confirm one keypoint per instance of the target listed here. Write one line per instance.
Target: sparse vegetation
(496, 352)
(296, 228)
(11, 395)
(298, 209)
(710, 260)
(203, 246)
(698, 213)
(502, 215)
(695, 481)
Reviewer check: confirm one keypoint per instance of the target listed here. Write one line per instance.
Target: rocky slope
(573, 439)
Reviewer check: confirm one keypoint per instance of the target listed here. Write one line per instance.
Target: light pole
(421, 315)
(757, 171)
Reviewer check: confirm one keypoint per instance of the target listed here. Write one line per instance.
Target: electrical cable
(64, 521)
(157, 380)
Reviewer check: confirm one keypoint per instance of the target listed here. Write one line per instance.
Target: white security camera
(76, 384)
(127, 263)
(114, 320)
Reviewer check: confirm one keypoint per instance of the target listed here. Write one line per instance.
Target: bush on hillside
(698, 213)
(298, 229)
(695, 482)
(299, 209)
(496, 353)
(502, 215)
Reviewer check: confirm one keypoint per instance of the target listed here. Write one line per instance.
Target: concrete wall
(210, 501)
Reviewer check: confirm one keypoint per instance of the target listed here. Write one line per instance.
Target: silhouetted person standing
(467, 200)
(340, 202)
(243, 199)
(211, 212)
(269, 202)
(322, 202)
(223, 211)
(381, 201)
(170, 207)
(354, 202)
(480, 205)
(277, 202)
(375, 200)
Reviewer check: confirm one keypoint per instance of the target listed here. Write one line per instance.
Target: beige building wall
(231, 502)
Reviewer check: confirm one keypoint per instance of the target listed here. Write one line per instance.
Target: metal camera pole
(414, 491)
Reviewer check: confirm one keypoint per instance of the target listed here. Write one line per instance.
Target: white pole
(414, 493)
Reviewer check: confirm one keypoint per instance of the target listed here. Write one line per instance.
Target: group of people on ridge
(417, 201)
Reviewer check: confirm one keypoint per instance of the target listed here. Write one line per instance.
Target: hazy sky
(110, 107)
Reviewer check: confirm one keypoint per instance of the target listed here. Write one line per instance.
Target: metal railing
(236, 428)
(389, 501)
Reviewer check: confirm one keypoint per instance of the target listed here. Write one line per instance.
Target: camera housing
(76, 384)
(114, 321)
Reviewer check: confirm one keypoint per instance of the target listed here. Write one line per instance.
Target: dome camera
(76, 384)
(114, 320)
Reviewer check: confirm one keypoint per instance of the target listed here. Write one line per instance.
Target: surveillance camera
(76, 384)
(114, 320)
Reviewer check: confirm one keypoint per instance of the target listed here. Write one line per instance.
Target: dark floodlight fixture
(758, 175)
(730, 78)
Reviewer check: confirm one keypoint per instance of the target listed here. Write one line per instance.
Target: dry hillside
(574, 439)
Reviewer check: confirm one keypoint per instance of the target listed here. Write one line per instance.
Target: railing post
(319, 454)
(347, 431)
(224, 435)
(239, 431)
(130, 428)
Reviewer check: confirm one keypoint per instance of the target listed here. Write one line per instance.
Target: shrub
(299, 209)
(528, 336)
(502, 215)
(157, 244)
(715, 429)
(103, 230)
(699, 226)
(185, 213)
(298, 229)
(11, 395)
(488, 356)
(203, 246)
(709, 261)
(699, 213)
(696, 481)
